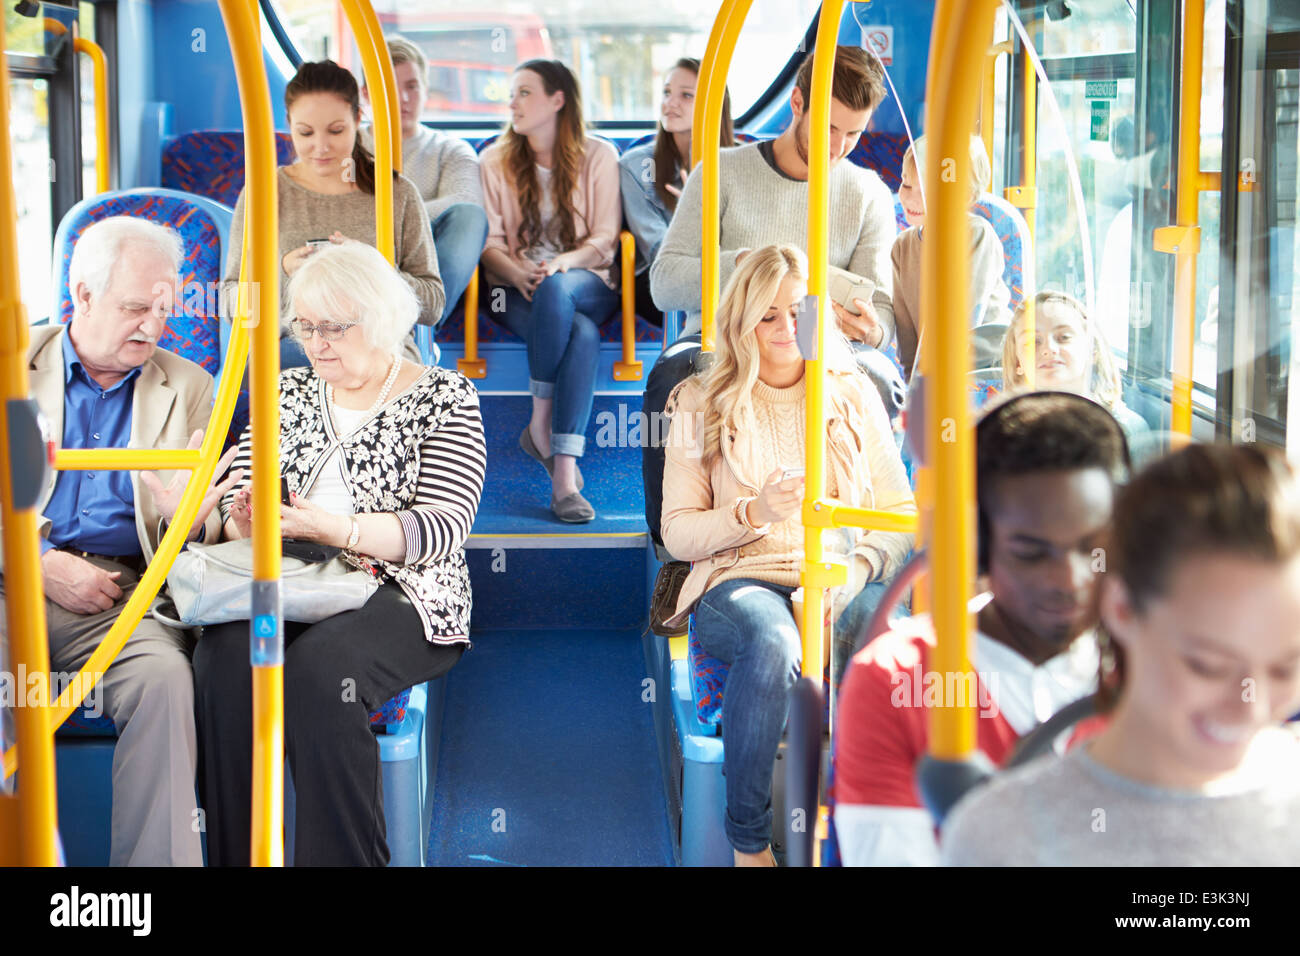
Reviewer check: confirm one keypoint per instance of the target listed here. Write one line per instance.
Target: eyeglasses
(328, 331)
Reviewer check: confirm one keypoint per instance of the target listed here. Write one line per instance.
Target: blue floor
(517, 492)
(548, 755)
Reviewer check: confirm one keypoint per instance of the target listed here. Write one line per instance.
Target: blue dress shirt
(93, 510)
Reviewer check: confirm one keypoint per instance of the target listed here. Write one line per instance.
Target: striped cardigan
(421, 457)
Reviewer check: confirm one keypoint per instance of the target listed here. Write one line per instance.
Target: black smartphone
(284, 490)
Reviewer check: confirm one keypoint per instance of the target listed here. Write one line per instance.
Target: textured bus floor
(548, 755)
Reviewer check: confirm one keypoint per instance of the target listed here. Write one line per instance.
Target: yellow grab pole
(390, 81)
(266, 639)
(988, 90)
(707, 138)
(958, 45)
(706, 79)
(99, 68)
(36, 811)
(1183, 240)
(817, 573)
(373, 57)
(126, 459)
(1025, 198)
(472, 365)
(628, 369)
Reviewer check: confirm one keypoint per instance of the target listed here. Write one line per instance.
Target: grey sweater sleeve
(414, 251)
(871, 256)
(675, 274)
(457, 178)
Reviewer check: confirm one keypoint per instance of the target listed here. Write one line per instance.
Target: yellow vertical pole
(705, 138)
(99, 70)
(817, 573)
(372, 60)
(958, 45)
(1025, 198)
(266, 639)
(1183, 240)
(36, 811)
(385, 64)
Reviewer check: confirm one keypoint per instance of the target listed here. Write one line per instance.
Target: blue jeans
(459, 234)
(749, 624)
(561, 327)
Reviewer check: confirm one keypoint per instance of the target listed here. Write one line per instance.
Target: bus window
(618, 51)
(29, 136)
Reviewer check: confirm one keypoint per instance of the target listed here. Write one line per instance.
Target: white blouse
(330, 492)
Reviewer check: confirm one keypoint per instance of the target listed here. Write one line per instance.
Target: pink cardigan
(596, 201)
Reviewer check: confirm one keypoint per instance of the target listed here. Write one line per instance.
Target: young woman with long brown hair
(552, 200)
(654, 173)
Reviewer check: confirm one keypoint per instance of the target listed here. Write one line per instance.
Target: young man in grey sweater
(763, 199)
(445, 170)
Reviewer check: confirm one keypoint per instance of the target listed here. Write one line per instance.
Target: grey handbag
(209, 584)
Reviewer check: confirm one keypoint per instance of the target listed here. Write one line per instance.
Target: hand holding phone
(844, 286)
(284, 491)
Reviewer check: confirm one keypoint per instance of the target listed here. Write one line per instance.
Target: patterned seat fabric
(1013, 233)
(882, 152)
(195, 332)
(392, 713)
(211, 162)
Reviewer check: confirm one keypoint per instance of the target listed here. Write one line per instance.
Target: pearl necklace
(383, 392)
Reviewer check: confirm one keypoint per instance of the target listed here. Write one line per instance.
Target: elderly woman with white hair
(384, 459)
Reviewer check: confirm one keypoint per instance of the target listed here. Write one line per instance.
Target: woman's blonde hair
(1104, 385)
(729, 382)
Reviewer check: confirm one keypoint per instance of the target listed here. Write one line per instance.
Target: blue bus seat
(883, 153)
(210, 162)
(204, 226)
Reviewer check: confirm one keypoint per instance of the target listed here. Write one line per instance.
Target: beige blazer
(172, 399)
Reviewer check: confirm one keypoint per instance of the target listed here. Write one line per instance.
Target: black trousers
(674, 365)
(645, 305)
(335, 673)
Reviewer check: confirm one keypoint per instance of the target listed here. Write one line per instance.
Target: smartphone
(318, 243)
(284, 490)
(788, 473)
(844, 286)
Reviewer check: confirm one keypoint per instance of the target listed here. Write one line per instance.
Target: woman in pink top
(554, 213)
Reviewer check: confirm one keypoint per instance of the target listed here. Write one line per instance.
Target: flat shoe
(573, 508)
(530, 449)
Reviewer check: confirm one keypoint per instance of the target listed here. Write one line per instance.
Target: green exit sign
(1100, 89)
(1100, 125)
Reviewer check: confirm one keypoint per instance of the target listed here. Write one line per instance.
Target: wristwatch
(354, 535)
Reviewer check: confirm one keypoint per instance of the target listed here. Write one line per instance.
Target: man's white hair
(353, 282)
(101, 245)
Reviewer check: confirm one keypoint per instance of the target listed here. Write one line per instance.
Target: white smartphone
(788, 473)
(845, 286)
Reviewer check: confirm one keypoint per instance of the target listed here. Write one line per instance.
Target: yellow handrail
(472, 365)
(817, 572)
(390, 82)
(374, 57)
(99, 68)
(1183, 240)
(988, 89)
(32, 812)
(628, 369)
(261, 262)
(1025, 198)
(705, 138)
(958, 44)
(126, 459)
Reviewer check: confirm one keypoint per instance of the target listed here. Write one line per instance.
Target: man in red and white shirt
(1046, 464)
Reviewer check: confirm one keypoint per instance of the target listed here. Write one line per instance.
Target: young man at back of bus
(1046, 465)
(763, 200)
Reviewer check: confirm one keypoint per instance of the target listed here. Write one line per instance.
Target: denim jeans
(561, 327)
(459, 234)
(749, 624)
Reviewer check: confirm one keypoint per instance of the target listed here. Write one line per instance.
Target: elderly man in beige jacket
(101, 382)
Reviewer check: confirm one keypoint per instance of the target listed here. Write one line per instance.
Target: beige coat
(172, 400)
(699, 521)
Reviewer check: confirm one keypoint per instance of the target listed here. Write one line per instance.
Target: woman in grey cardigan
(654, 173)
(384, 459)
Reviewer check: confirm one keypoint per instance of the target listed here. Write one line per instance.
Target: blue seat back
(210, 162)
(204, 226)
(1013, 233)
